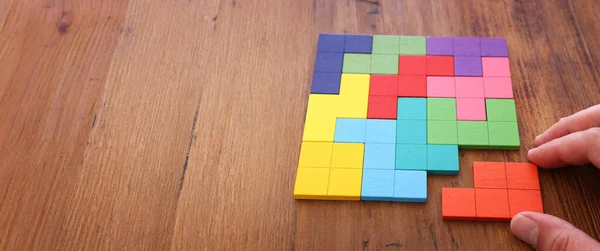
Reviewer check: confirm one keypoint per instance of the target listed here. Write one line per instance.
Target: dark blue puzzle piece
(325, 83)
(359, 44)
(331, 43)
(329, 62)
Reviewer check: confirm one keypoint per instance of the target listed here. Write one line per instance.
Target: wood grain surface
(154, 125)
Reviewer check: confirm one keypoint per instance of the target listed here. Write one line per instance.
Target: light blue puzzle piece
(379, 156)
(442, 159)
(378, 185)
(381, 131)
(411, 157)
(350, 130)
(412, 108)
(410, 186)
(411, 132)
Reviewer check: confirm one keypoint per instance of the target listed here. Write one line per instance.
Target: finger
(577, 148)
(579, 121)
(546, 232)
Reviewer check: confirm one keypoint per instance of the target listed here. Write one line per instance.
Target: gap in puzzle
(385, 111)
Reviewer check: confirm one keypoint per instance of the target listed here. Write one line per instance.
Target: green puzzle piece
(386, 45)
(356, 63)
(442, 132)
(412, 45)
(441, 109)
(473, 135)
(384, 64)
(504, 135)
(502, 110)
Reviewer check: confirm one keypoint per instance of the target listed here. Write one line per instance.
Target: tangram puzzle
(501, 191)
(384, 111)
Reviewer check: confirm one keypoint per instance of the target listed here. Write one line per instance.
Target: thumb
(546, 232)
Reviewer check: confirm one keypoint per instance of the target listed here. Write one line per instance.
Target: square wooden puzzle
(385, 111)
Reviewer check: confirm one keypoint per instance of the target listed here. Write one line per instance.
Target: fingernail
(525, 229)
(532, 150)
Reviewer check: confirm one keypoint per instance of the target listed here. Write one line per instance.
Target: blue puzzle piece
(359, 44)
(331, 43)
(378, 185)
(412, 108)
(350, 130)
(411, 132)
(381, 131)
(329, 62)
(325, 83)
(410, 186)
(411, 157)
(379, 156)
(442, 159)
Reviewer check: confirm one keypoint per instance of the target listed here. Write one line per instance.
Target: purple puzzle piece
(494, 47)
(329, 62)
(358, 44)
(331, 43)
(440, 46)
(325, 83)
(468, 66)
(467, 46)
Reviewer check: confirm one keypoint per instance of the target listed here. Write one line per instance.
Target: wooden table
(155, 125)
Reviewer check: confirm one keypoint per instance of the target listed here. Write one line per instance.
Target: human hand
(574, 140)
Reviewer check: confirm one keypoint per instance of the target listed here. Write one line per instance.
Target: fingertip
(525, 228)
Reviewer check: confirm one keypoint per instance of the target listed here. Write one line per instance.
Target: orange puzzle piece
(492, 204)
(502, 190)
(458, 204)
(522, 176)
(524, 200)
(489, 175)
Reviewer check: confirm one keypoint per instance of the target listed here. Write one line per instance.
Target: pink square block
(470, 109)
(495, 67)
(440, 87)
(498, 87)
(469, 87)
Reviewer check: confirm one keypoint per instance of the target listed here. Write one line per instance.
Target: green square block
(356, 63)
(441, 109)
(384, 64)
(502, 110)
(412, 45)
(504, 135)
(442, 132)
(386, 45)
(473, 135)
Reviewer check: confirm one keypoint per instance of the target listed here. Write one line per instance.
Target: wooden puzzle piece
(391, 104)
(502, 190)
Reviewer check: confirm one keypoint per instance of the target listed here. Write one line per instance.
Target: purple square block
(329, 62)
(467, 46)
(468, 66)
(325, 83)
(331, 43)
(358, 44)
(440, 46)
(494, 47)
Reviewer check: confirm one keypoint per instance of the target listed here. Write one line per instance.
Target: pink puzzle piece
(440, 87)
(495, 67)
(470, 109)
(469, 87)
(498, 87)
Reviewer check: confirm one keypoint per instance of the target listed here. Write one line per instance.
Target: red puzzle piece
(412, 86)
(440, 66)
(458, 204)
(412, 66)
(383, 85)
(382, 107)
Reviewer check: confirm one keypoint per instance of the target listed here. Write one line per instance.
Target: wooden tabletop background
(154, 125)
